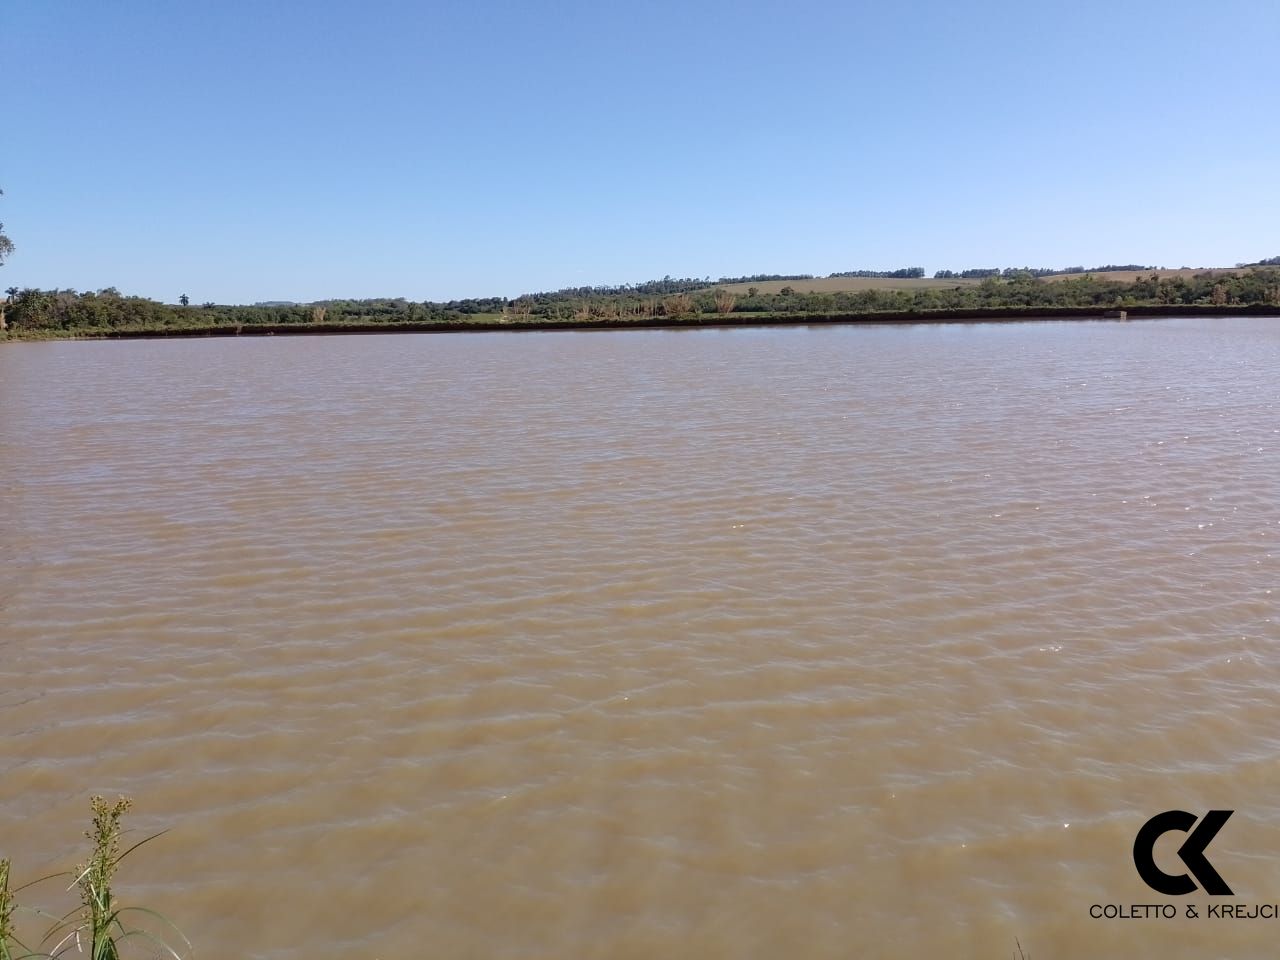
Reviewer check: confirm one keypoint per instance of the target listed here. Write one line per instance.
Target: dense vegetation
(27, 312)
(31, 312)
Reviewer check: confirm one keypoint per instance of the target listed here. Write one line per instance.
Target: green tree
(6, 245)
(184, 300)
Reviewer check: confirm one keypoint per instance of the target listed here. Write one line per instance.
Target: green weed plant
(100, 927)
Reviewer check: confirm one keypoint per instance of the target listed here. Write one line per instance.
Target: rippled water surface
(831, 642)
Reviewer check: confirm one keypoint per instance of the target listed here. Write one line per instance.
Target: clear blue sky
(246, 150)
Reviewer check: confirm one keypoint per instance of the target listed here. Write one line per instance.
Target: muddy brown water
(830, 642)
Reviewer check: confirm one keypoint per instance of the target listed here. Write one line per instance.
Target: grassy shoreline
(493, 323)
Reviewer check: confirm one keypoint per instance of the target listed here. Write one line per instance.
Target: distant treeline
(670, 285)
(906, 273)
(981, 273)
(758, 277)
(33, 312)
(650, 288)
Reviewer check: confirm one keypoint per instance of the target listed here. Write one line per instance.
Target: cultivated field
(844, 284)
(855, 284)
(1128, 276)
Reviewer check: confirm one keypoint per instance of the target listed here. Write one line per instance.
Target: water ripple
(874, 641)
